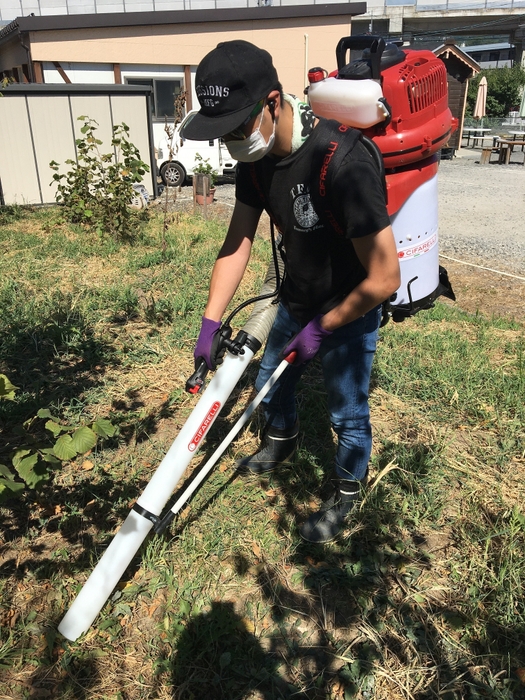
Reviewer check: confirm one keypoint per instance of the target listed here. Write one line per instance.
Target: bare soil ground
(485, 292)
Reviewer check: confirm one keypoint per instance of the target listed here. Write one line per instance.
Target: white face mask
(252, 148)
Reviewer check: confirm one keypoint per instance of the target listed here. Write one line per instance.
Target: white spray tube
(136, 527)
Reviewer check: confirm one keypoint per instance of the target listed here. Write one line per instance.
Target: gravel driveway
(482, 211)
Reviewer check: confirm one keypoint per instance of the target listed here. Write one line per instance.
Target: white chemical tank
(357, 103)
(415, 228)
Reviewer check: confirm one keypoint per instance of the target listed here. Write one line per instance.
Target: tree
(504, 87)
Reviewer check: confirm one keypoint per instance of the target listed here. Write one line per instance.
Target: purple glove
(205, 345)
(306, 343)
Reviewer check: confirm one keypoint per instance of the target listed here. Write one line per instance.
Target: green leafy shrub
(204, 167)
(35, 462)
(97, 191)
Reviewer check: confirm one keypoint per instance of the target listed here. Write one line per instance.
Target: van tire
(172, 174)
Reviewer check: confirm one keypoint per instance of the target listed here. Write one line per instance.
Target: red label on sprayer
(412, 251)
(204, 426)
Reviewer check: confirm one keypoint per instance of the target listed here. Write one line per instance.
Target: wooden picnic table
(503, 147)
(515, 135)
(506, 146)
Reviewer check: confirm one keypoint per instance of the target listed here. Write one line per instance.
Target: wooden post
(187, 87)
(38, 71)
(117, 75)
(205, 192)
(61, 72)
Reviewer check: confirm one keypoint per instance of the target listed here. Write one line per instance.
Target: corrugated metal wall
(39, 123)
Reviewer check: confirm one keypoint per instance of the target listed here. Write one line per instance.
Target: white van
(175, 171)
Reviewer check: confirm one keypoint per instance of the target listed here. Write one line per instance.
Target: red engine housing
(421, 123)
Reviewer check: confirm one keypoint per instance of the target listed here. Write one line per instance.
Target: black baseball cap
(229, 82)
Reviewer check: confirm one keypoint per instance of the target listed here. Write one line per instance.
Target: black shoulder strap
(373, 149)
(336, 142)
(339, 140)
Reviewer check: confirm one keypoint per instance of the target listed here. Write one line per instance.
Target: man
(340, 259)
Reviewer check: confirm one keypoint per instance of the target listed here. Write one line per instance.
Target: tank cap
(315, 75)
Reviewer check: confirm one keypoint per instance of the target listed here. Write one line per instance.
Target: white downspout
(305, 60)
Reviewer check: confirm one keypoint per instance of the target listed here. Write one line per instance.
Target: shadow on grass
(366, 618)
(218, 657)
(77, 679)
(54, 360)
(342, 650)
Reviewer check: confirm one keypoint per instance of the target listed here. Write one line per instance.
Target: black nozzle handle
(376, 44)
(195, 383)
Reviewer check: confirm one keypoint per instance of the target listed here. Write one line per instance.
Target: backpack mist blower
(398, 98)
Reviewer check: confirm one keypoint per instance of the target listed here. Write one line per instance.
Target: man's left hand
(307, 342)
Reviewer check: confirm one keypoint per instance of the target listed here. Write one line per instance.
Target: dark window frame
(153, 82)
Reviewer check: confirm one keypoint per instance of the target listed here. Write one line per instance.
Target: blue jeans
(346, 358)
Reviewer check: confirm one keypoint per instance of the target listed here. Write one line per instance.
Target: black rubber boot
(277, 447)
(328, 522)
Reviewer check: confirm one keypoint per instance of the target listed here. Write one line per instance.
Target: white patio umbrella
(522, 106)
(481, 100)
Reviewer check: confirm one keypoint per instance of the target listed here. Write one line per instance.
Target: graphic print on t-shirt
(304, 212)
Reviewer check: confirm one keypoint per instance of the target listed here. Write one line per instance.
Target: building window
(494, 56)
(164, 93)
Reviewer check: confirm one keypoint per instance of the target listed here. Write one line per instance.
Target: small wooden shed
(460, 68)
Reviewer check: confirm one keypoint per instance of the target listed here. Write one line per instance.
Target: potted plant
(203, 168)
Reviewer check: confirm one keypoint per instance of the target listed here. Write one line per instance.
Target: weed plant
(421, 597)
(10, 213)
(98, 188)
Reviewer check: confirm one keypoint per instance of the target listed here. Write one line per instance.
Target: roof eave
(8, 30)
(467, 60)
(127, 19)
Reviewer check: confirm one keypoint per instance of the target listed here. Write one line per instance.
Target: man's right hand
(208, 344)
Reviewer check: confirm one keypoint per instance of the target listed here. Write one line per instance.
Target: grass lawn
(422, 596)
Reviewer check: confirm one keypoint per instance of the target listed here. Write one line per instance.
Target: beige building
(162, 49)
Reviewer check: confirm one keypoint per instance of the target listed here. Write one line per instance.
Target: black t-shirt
(320, 260)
